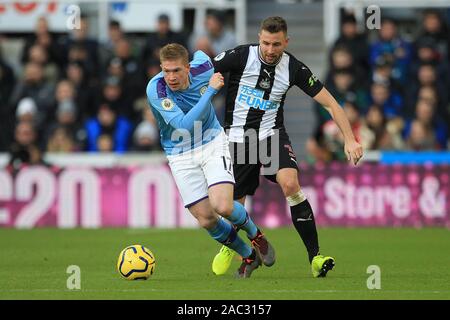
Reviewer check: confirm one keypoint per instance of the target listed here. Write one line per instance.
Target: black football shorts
(250, 156)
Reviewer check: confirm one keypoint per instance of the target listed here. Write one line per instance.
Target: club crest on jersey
(203, 90)
(167, 104)
(220, 56)
(265, 83)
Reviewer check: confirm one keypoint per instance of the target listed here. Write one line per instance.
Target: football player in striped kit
(259, 77)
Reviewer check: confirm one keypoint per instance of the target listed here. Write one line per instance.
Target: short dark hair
(218, 15)
(344, 71)
(163, 18)
(174, 51)
(432, 12)
(388, 20)
(341, 47)
(348, 18)
(274, 24)
(114, 24)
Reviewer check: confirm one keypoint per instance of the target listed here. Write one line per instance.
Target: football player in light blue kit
(197, 149)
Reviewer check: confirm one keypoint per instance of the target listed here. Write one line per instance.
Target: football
(136, 262)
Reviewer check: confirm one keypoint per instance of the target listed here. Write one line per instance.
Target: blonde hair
(174, 51)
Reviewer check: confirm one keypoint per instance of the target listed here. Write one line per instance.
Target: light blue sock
(225, 234)
(240, 218)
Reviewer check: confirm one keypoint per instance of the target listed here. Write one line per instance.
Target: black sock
(303, 220)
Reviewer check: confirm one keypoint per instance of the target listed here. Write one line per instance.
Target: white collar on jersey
(269, 64)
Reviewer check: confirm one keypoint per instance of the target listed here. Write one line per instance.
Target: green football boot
(320, 265)
(222, 261)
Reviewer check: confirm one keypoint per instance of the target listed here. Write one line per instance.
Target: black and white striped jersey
(257, 90)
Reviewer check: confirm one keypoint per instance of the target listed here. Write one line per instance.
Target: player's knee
(207, 222)
(224, 208)
(290, 187)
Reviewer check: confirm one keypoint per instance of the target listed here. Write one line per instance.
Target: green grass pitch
(414, 263)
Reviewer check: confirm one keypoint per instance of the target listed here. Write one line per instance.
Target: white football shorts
(197, 170)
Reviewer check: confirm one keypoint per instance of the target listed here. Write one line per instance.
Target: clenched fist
(216, 81)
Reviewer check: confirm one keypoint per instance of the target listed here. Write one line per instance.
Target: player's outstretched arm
(352, 148)
(216, 82)
(176, 118)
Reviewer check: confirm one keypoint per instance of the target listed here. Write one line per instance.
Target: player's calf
(241, 220)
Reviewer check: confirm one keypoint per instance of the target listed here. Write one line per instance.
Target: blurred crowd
(74, 93)
(77, 94)
(395, 92)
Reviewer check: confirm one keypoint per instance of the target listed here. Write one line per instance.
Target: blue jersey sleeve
(165, 106)
(201, 67)
(174, 116)
(200, 57)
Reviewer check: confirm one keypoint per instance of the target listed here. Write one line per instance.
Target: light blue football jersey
(167, 104)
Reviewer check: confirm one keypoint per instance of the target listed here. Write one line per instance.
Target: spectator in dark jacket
(109, 123)
(7, 81)
(35, 86)
(47, 40)
(24, 150)
(390, 102)
(79, 46)
(389, 42)
(355, 41)
(434, 127)
(434, 29)
(155, 41)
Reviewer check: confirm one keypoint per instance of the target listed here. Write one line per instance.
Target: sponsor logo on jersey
(267, 72)
(167, 104)
(312, 80)
(253, 98)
